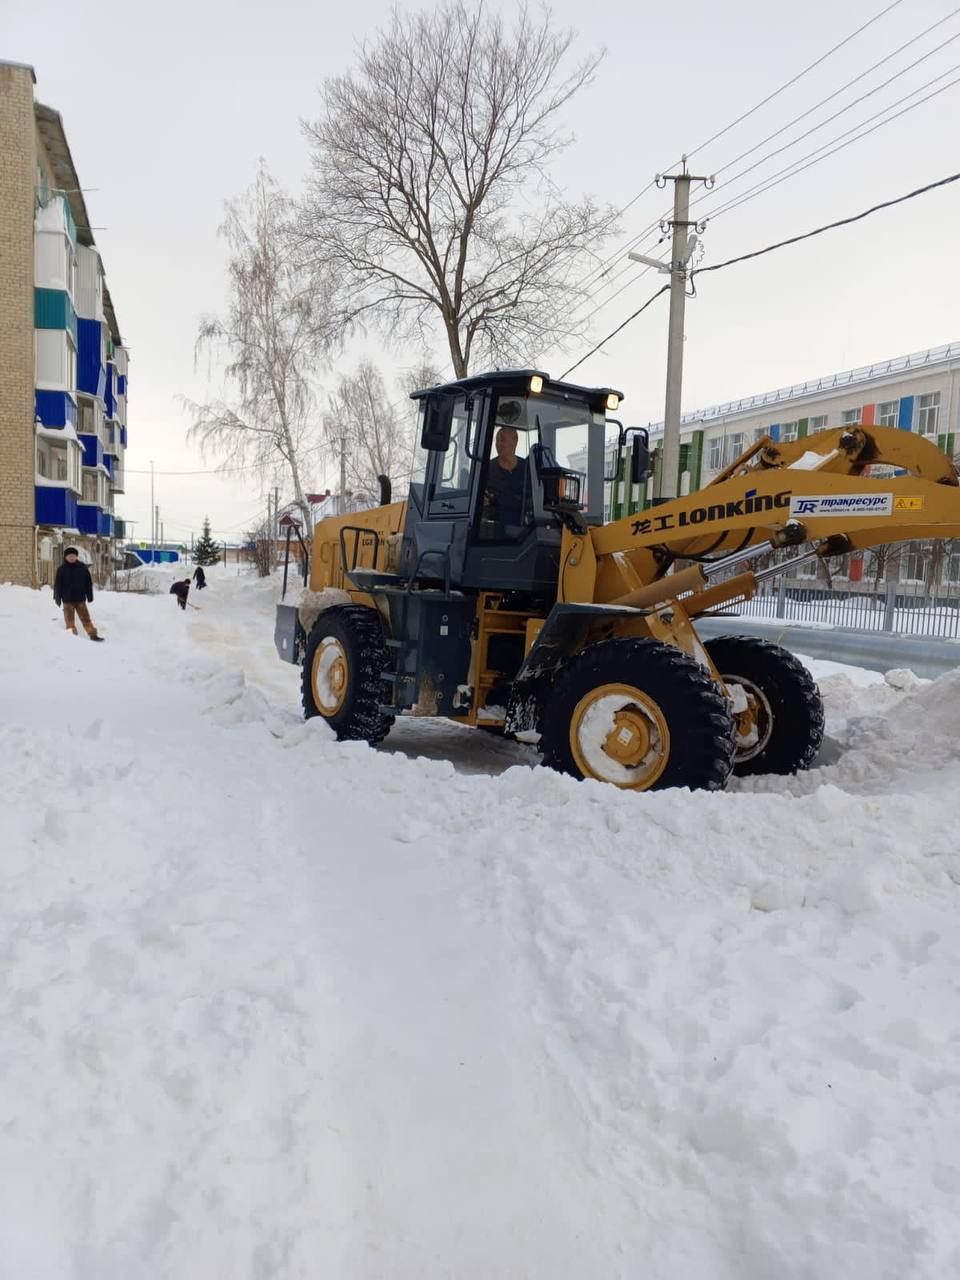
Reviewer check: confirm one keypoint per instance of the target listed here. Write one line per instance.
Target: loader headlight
(561, 489)
(613, 401)
(536, 384)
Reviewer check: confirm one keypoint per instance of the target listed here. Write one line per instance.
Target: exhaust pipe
(386, 490)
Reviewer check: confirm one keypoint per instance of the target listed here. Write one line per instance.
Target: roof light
(613, 400)
(536, 384)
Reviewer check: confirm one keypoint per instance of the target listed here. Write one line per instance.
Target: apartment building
(63, 380)
(919, 392)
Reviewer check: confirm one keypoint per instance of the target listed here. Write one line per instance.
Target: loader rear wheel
(343, 668)
(639, 714)
(781, 728)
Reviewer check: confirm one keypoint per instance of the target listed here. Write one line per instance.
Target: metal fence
(895, 607)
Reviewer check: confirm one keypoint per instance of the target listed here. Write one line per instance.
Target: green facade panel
(52, 309)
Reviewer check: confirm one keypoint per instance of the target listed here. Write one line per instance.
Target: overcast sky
(168, 106)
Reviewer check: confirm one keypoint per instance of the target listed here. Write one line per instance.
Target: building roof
(834, 382)
(20, 66)
(50, 126)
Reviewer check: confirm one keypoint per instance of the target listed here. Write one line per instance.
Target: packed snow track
(275, 1006)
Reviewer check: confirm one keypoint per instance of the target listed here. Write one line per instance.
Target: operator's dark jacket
(73, 584)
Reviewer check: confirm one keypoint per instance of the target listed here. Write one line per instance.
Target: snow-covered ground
(278, 1007)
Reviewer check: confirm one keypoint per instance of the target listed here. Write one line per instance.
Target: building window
(760, 433)
(887, 413)
(928, 414)
(734, 447)
(715, 457)
(74, 456)
(788, 432)
(89, 486)
(819, 423)
(849, 417)
(914, 562)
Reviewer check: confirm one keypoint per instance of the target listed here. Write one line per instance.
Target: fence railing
(892, 608)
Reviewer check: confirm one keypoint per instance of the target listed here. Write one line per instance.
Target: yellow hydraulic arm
(812, 491)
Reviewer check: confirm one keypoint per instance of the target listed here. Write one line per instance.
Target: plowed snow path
(275, 1006)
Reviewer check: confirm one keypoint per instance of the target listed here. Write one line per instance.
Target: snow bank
(278, 1006)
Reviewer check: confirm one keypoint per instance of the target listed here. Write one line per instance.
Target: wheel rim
(754, 724)
(329, 675)
(618, 734)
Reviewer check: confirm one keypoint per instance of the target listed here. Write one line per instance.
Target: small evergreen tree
(206, 550)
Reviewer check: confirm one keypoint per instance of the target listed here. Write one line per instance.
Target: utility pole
(684, 242)
(153, 538)
(156, 528)
(343, 474)
(273, 529)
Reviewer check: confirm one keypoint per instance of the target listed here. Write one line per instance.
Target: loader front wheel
(343, 668)
(641, 715)
(779, 720)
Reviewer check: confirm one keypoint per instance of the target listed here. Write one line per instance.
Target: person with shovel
(181, 590)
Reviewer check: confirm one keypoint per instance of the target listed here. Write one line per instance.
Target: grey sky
(167, 108)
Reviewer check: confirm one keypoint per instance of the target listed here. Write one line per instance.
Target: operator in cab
(506, 486)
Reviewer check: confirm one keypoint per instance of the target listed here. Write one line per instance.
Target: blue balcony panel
(92, 451)
(55, 408)
(123, 436)
(106, 524)
(90, 371)
(88, 518)
(121, 384)
(55, 505)
(109, 401)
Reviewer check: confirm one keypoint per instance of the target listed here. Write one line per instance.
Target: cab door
(451, 476)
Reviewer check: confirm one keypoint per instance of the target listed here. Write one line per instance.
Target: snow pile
(279, 1006)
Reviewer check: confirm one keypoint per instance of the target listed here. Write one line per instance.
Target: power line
(757, 253)
(594, 275)
(859, 76)
(603, 342)
(813, 157)
(829, 226)
(883, 110)
(799, 76)
(209, 471)
(759, 188)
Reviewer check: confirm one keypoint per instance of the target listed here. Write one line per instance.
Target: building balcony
(119, 527)
(56, 505)
(52, 309)
(92, 451)
(55, 409)
(91, 367)
(93, 520)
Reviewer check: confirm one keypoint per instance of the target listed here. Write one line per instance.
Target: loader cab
(505, 461)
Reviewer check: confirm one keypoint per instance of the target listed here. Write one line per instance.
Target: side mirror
(437, 424)
(639, 458)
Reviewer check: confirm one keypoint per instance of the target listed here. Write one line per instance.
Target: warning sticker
(843, 504)
(912, 503)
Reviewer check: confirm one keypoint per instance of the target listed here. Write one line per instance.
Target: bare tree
(373, 431)
(430, 196)
(367, 429)
(262, 547)
(278, 323)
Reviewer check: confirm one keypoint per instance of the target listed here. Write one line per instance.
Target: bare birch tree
(430, 196)
(372, 429)
(278, 324)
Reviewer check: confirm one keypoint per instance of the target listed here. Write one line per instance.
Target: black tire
(353, 635)
(697, 750)
(790, 714)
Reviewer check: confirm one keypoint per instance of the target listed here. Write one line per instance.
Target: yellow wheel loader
(498, 597)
